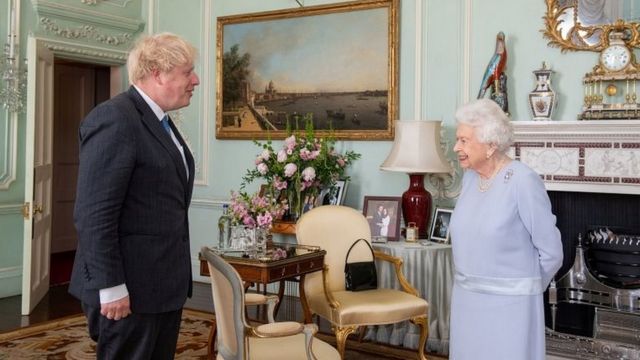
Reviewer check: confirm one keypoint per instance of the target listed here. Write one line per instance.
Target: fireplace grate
(617, 326)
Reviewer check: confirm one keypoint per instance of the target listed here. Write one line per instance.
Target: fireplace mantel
(600, 156)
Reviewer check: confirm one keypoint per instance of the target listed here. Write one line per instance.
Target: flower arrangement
(303, 166)
(254, 211)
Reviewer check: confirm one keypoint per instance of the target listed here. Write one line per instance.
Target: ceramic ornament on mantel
(543, 99)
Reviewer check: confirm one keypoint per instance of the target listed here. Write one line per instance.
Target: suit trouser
(138, 336)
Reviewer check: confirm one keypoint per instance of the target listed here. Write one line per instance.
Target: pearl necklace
(485, 184)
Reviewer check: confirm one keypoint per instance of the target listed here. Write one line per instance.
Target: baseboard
(10, 281)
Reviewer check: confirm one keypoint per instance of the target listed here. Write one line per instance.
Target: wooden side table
(284, 227)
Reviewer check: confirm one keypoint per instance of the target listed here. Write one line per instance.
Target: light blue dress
(506, 249)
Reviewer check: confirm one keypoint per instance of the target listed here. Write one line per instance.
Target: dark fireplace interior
(576, 212)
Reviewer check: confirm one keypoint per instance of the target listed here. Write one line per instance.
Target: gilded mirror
(586, 24)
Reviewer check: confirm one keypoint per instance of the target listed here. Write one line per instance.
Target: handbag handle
(354, 243)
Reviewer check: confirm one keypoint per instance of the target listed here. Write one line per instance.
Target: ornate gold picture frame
(337, 62)
(565, 28)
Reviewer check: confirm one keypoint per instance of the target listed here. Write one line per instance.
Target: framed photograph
(334, 195)
(383, 214)
(440, 225)
(336, 62)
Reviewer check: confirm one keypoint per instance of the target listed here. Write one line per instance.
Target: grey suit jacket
(131, 210)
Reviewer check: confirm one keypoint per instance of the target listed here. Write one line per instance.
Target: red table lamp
(416, 150)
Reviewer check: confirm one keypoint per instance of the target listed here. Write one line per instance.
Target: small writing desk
(303, 260)
(430, 270)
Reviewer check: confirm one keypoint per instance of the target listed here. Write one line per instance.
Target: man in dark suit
(132, 270)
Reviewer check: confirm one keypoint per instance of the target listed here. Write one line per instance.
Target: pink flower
(266, 154)
(341, 162)
(290, 142)
(249, 221)
(309, 174)
(264, 220)
(305, 154)
(282, 155)
(263, 168)
(290, 169)
(279, 184)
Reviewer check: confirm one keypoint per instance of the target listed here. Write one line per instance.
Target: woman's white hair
(491, 124)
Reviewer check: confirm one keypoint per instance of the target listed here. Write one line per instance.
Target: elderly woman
(506, 246)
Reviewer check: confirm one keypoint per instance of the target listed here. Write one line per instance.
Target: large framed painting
(336, 64)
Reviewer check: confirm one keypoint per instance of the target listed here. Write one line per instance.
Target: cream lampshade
(416, 151)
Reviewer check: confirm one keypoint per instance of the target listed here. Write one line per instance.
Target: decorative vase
(542, 100)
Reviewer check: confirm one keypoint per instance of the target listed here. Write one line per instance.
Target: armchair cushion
(268, 349)
(371, 307)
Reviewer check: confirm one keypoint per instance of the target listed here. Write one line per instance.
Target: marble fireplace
(591, 170)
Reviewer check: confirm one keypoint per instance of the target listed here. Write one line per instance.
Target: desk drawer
(289, 270)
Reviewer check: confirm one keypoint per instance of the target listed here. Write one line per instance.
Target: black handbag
(361, 275)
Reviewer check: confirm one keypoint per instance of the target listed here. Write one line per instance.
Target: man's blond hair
(160, 52)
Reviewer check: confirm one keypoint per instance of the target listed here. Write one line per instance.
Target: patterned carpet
(67, 338)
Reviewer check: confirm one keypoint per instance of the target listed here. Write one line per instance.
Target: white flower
(265, 154)
(290, 169)
(282, 156)
(309, 174)
(263, 168)
(290, 142)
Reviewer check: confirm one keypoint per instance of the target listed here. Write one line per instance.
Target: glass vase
(295, 205)
(261, 237)
(251, 241)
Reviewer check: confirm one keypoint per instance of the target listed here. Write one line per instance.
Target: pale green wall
(445, 27)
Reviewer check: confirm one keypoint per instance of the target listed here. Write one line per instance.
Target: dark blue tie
(165, 124)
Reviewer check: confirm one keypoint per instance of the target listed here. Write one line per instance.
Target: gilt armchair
(238, 340)
(334, 228)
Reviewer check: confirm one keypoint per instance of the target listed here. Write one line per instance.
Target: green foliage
(302, 166)
(235, 71)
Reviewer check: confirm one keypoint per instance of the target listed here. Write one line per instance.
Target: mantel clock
(610, 89)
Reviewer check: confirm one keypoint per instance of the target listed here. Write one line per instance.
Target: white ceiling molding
(93, 54)
(118, 3)
(47, 8)
(84, 32)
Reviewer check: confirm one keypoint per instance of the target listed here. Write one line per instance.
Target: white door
(38, 175)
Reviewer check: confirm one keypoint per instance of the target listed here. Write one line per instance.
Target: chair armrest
(278, 329)
(259, 299)
(287, 328)
(397, 262)
(325, 286)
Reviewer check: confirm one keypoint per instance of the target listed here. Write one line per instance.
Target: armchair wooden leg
(211, 344)
(423, 322)
(341, 337)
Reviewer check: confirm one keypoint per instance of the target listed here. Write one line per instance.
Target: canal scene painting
(333, 64)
